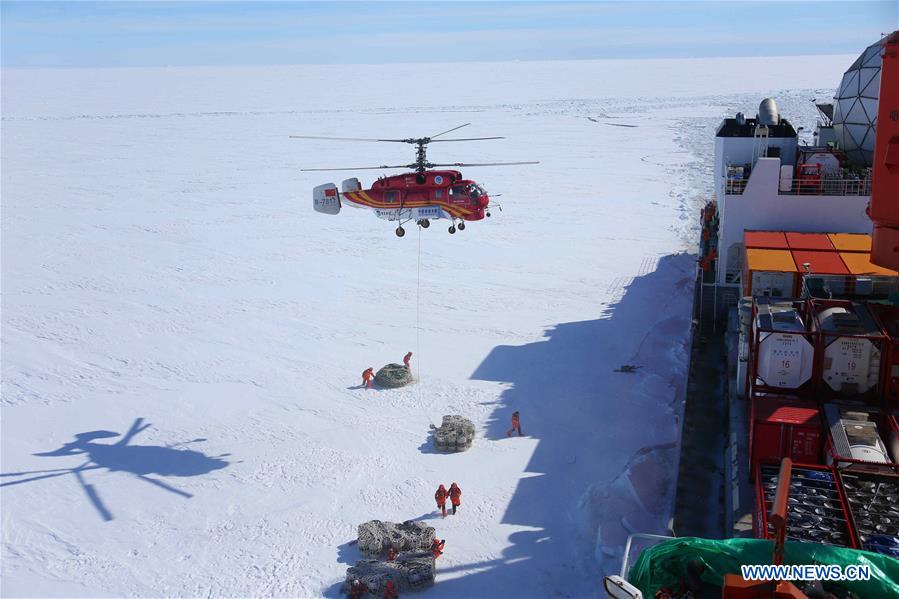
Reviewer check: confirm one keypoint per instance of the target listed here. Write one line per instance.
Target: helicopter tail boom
(326, 199)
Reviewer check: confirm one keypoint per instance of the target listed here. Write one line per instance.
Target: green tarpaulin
(665, 564)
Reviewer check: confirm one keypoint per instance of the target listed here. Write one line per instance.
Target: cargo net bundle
(412, 570)
(456, 433)
(393, 376)
(376, 537)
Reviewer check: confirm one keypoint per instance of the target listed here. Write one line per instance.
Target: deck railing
(858, 287)
(805, 187)
(735, 187)
(826, 187)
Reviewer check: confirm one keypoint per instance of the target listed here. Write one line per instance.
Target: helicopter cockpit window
(457, 191)
(473, 191)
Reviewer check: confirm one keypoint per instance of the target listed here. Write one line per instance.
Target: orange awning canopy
(770, 260)
(820, 263)
(851, 242)
(772, 240)
(809, 241)
(859, 263)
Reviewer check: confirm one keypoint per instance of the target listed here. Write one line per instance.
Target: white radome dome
(855, 106)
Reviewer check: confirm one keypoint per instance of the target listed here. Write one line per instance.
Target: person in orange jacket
(455, 495)
(367, 375)
(516, 425)
(406, 359)
(390, 591)
(437, 547)
(391, 554)
(440, 496)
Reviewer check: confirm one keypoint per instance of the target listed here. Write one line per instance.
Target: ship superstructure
(797, 319)
(766, 180)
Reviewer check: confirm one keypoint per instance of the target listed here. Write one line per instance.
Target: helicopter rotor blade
(346, 138)
(466, 139)
(359, 168)
(467, 164)
(449, 130)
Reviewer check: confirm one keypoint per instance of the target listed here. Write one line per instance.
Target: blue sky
(156, 33)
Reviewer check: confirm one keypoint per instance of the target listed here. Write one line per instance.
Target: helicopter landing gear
(424, 223)
(400, 231)
(461, 226)
(452, 229)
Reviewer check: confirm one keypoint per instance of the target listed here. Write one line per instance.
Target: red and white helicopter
(423, 195)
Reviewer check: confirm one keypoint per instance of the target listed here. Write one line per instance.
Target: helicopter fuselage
(429, 195)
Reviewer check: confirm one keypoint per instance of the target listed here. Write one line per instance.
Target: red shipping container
(785, 428)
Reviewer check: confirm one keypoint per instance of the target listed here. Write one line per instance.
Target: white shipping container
(785, 360)
(851, 365)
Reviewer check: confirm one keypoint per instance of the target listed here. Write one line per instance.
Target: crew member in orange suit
(440, 496)
(391, 554)
(455, 494)
(367, 375)
(437, 547)
(406, 359)
(390, 591)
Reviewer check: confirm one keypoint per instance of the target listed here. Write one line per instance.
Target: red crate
(816, 487)
(785, 428)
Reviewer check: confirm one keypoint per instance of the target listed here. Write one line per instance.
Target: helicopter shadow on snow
(141, 461)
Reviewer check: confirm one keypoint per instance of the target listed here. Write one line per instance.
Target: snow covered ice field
(161, 261)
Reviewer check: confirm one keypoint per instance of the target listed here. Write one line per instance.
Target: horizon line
(420, 62)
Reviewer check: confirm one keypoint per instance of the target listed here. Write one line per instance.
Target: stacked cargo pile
(376, 537)
(781, 264)
(393, 376)
(455, 433)
(822, 380)
(412, 569)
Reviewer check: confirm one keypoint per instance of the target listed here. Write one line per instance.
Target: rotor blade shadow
(163, 485)
(93, 496)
